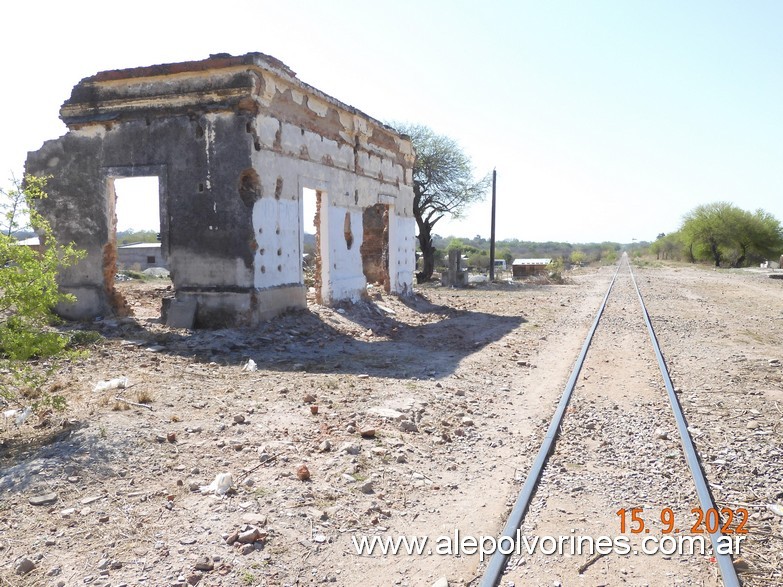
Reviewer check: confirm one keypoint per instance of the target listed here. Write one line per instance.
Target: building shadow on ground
(367, 337)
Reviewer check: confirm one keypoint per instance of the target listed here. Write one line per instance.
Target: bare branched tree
(443, 184)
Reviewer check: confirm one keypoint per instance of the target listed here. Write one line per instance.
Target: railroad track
(641, 408)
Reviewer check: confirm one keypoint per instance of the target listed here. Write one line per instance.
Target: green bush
(609, 256)
(455, 245)
(479, 260)
(28, 283)
(84, 338)
(555, 269)
(578, 257)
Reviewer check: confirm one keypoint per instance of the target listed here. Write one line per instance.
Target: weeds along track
(616, 493)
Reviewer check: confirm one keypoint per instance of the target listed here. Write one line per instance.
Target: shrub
(555, 269)
(28, 283)
(479, 260)
(609, 256)
(455, 245)
(578, 257)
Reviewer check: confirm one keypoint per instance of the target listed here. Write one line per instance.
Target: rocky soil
(388, 417)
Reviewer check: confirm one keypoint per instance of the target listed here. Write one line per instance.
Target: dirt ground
(390, 417)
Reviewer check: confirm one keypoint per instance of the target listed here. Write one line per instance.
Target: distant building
(524, 267)
(140, 256)
(33, 242)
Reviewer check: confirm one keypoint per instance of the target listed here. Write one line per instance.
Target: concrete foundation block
(181, 314)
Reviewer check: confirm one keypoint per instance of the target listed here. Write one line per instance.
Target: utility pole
(492, 230)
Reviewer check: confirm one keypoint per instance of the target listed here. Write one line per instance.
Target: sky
(607, 120)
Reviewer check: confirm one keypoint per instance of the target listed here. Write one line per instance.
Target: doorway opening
(310, 243)
(375, 245)
(140, 267)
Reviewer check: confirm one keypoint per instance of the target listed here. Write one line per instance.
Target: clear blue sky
(606, 120)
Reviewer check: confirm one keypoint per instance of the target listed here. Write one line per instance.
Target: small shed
(524, 267)
(140, 256)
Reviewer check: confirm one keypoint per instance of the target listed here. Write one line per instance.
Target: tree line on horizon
(719, 233)
(476, 250)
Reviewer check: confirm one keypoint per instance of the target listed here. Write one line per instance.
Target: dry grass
(144, 397)
(119, 406)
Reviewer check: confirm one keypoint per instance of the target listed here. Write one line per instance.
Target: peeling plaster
(209, 139)
(320, 108)
(90, 131)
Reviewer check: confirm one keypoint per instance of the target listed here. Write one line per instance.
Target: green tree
(506, 254)
(723, 232)
(127, 237)
(668, 246)
(14, 213)
(29, 293)
(455, 244)
(28, 277)
(759, 237)
(478, 260)
(578, 257)
(609, 255)
(443, 184)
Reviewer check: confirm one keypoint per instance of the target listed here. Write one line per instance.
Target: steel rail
(706, 502)
(497, 563)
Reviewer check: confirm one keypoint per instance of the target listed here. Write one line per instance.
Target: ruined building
(234, 143)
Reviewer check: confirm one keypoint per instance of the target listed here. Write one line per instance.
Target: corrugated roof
(532, 261)
(141, 246)
(33, 241)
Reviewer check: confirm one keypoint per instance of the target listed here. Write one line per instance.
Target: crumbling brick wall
(375, 244)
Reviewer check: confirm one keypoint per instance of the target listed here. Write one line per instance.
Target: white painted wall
(402, 253)
(345, 279)
(304, 159)
(276, 227)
